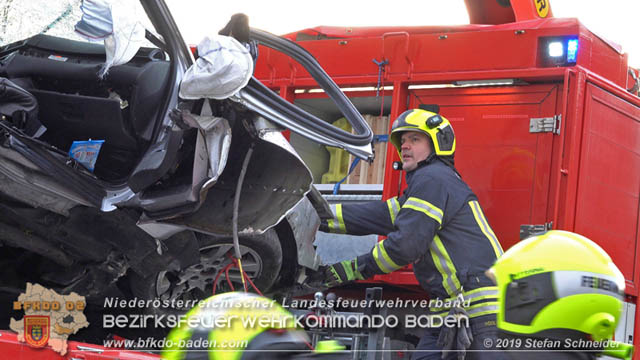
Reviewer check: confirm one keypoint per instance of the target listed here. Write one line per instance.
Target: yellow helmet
(225, 325)
(558, 280)
(436, 126)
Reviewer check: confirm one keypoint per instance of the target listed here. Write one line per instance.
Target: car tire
(261, 260)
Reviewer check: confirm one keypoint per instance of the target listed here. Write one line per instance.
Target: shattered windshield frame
(21, 20)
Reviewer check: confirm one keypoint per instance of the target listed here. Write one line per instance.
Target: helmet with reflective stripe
(436, 126)
(225, 325)
(557, 281)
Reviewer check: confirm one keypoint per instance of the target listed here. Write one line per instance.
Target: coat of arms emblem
(36, 330)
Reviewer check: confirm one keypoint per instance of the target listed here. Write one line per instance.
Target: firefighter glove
(342, 272)
(456, 339)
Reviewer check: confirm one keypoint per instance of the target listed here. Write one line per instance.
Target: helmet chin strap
(445, 160)
(426, 161)
(398, 165)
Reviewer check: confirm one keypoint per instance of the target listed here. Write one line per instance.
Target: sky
(614, 20)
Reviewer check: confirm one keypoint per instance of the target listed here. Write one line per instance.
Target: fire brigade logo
(542, 6)
(36, 330)
(49, 318)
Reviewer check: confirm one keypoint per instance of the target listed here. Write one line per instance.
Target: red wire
(308, 345)
(252, 285)
(215, 282)
(226, 274)
(234, 262)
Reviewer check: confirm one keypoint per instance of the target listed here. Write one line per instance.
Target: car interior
(76, 104)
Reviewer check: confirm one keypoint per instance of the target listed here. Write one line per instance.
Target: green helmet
(558, 280)
(436, 126)
(225, 325)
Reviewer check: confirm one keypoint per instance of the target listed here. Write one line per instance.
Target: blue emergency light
(572, 50)
(559, 51)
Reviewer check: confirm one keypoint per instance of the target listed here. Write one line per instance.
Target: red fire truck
(546, 114)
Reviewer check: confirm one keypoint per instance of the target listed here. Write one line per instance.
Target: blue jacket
(438, 226)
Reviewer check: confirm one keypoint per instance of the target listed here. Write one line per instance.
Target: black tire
(261, 260)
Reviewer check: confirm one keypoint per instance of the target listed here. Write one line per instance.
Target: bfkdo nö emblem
(36, 330)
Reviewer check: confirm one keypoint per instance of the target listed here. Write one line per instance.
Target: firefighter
(243, 326)
(438, 226)
(560, 293)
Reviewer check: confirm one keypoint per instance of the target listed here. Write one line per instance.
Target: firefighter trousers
(483, 346)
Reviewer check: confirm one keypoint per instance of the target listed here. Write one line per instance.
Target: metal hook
(381, 65)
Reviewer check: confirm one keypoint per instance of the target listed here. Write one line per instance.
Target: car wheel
(261, 261)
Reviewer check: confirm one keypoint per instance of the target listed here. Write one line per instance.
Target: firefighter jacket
(438, 226)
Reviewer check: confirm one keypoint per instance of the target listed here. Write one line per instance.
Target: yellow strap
(485, 308)
(424, 207)
(445, 266)
(394, 208)
(471, 293)
(472, 296)
(377, 257)
(486, 229)
(244, 284)
(383, 260)
(479, 305)
(336, 225)
(341, 224)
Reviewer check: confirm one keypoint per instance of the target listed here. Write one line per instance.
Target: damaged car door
(153, 200)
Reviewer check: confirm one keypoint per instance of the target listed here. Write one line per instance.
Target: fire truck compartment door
(507, 166)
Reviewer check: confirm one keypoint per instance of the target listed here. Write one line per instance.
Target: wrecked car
(118, 179)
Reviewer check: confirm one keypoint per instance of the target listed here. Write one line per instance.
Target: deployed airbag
(223, 68)
(114, 22)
